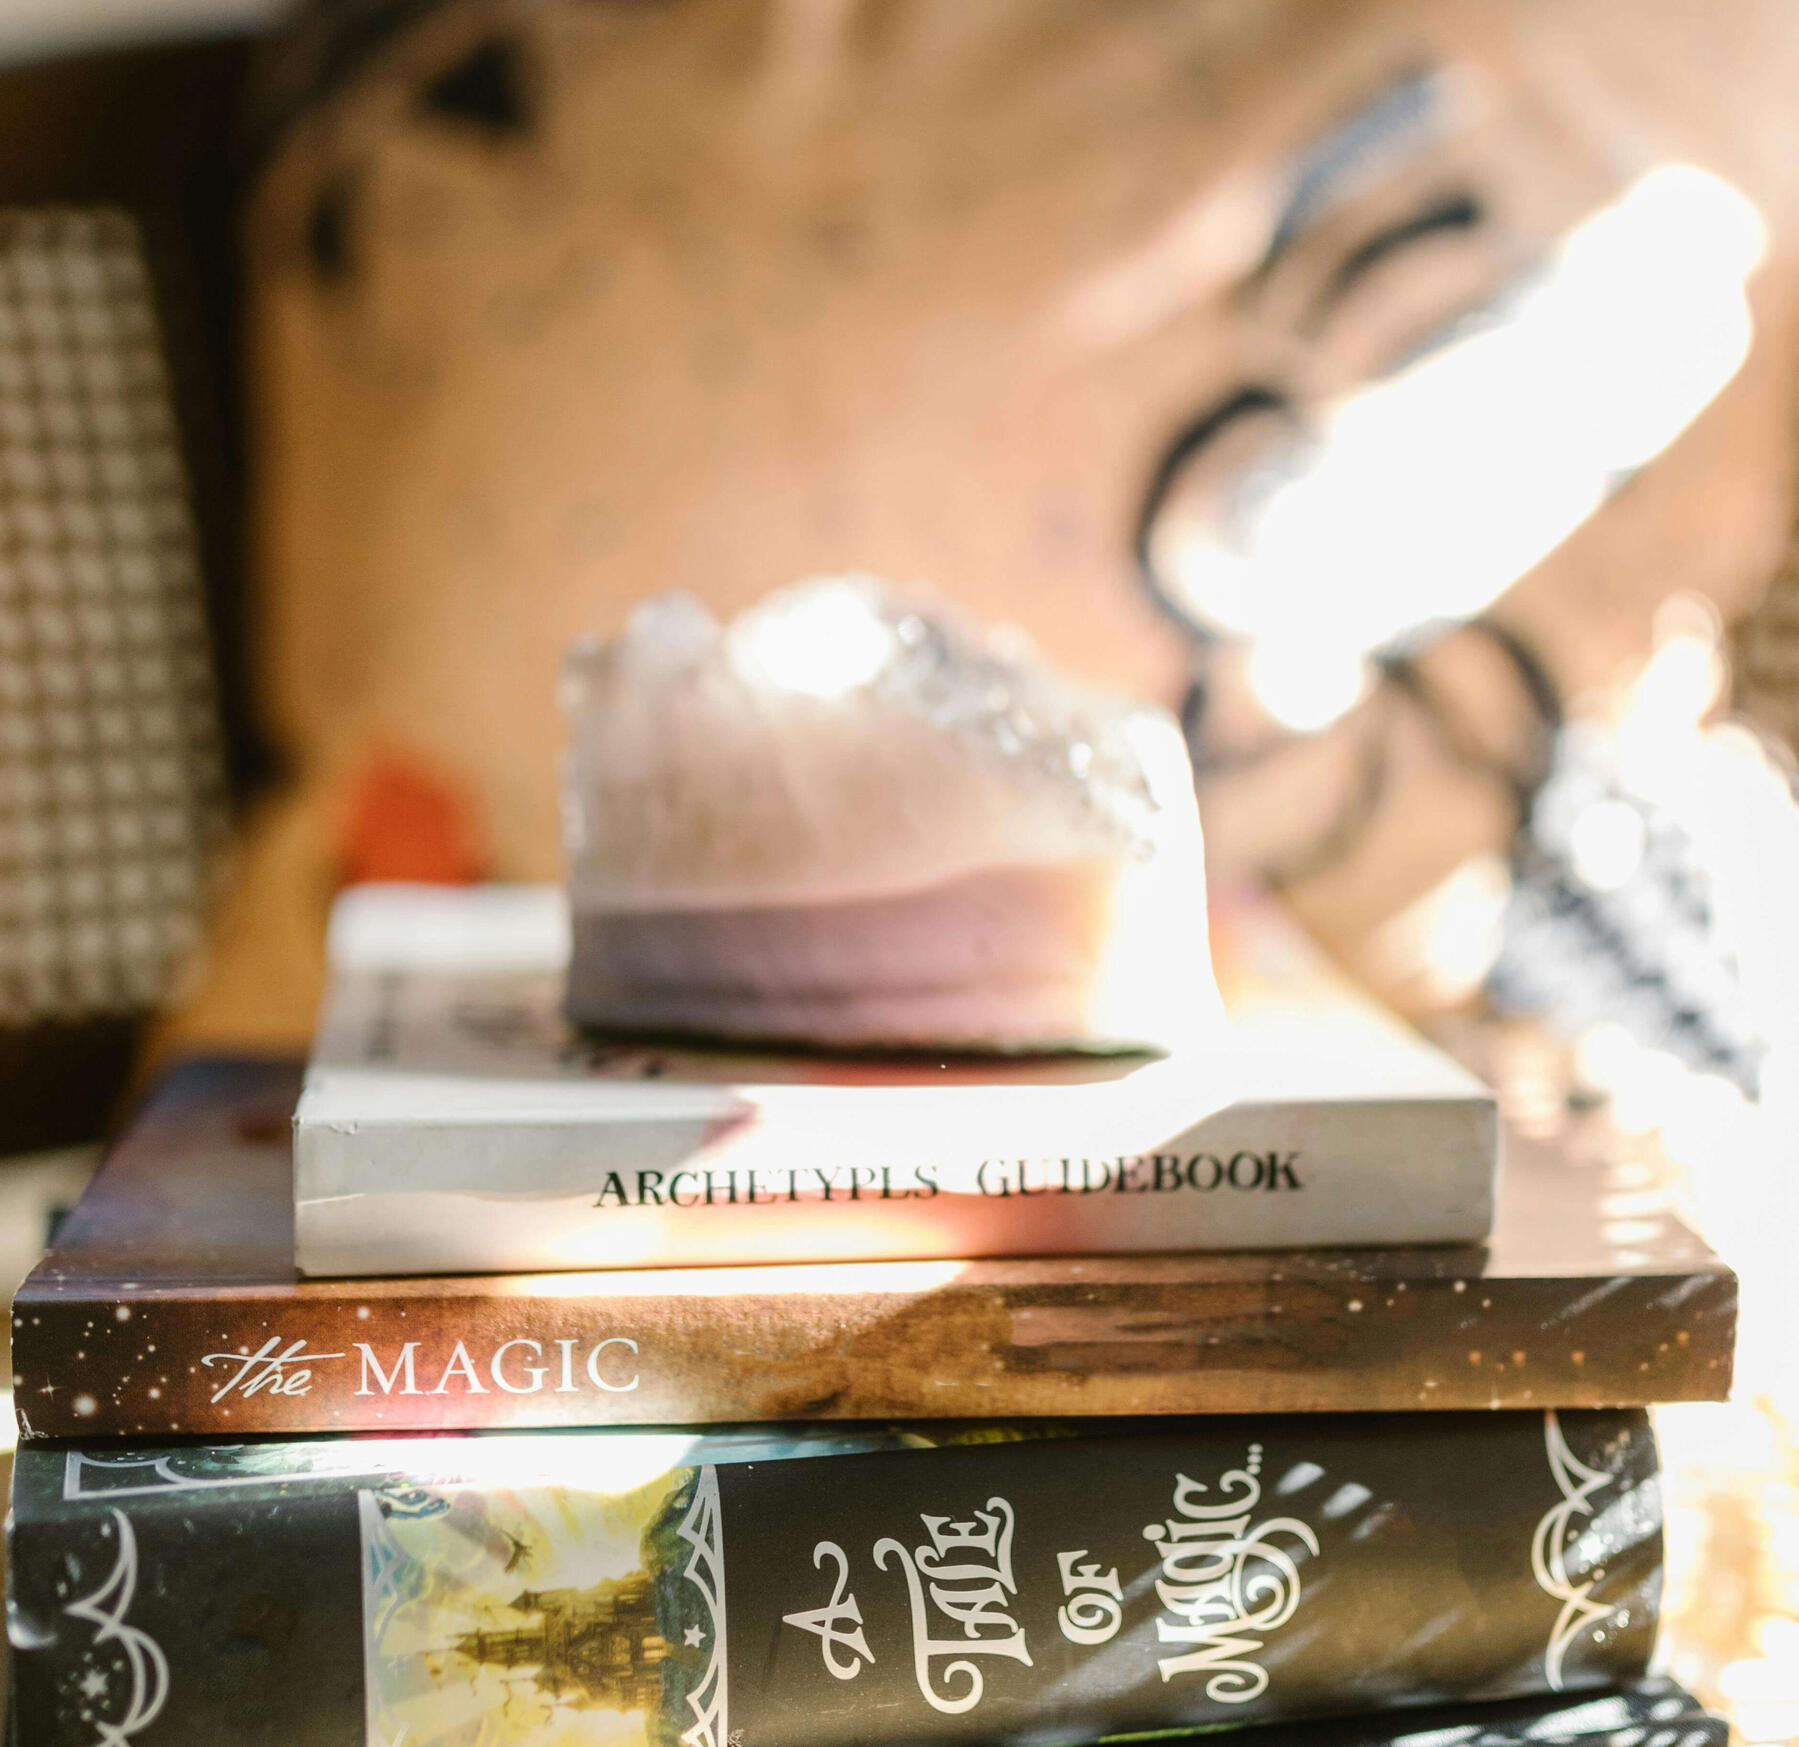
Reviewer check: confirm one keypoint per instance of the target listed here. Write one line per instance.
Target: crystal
(848, 818)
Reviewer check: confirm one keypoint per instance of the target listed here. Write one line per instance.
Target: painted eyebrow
(1454, 210)
(1404, 111)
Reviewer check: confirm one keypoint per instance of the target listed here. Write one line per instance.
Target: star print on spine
(1549, 1551)
(140, 1661)
(703, 1530)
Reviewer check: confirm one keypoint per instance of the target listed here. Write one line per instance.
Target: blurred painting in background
(1363, 378)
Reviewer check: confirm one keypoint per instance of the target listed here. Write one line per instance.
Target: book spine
(422, 1196)
(1008, 1585)
(893, 1340)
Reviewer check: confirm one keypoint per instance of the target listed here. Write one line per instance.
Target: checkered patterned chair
(112, 792)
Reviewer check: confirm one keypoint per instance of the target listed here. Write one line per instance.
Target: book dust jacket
(951, 1584)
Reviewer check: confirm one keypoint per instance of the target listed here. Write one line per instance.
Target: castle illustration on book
(613, 1636)
(596, 1648)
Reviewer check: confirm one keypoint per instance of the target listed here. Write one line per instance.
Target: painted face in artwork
(1230, 350)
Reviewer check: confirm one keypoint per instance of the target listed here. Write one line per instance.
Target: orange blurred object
(408, 821)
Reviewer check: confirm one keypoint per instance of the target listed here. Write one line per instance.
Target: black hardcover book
(826, 1588)
(1633, 1715)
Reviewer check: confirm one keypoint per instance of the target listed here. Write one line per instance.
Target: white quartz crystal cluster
(847, 817)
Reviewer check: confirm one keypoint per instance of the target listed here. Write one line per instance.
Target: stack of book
(783, 1402)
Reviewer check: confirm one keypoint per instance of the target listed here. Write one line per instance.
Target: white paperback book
(453, 1122)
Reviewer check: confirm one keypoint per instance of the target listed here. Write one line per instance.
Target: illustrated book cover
(998, 1584)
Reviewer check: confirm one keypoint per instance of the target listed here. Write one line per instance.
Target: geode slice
(849, 819)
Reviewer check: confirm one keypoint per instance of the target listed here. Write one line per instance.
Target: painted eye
(1196, 530)
(1416, 498)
